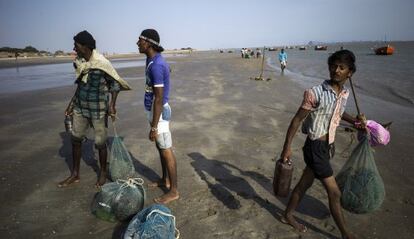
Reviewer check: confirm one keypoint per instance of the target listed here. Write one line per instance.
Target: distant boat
(302, 48)
(385, 50)
(321, 48)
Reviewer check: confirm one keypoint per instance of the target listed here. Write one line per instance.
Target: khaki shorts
(82, 124)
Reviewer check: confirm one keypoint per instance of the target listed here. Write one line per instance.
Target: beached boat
(321, 48)
(385, 50)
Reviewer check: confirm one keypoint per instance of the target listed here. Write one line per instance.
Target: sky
(211, 24)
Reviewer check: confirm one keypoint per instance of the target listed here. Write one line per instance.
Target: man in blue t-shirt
(283, 59)
(157, 87)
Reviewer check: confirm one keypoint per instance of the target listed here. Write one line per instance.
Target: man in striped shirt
(322, 109)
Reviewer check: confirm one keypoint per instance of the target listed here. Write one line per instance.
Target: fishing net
(360, 182)
(119, 200)
(102, 203)
(153, 222)
(120, 162)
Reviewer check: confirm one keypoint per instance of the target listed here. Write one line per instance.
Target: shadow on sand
(119, 230)
(226, 183)
(308, 206)
(88, 154)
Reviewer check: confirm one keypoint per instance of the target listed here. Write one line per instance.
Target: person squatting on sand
(157, 88)
(96, 79)
(322, 108)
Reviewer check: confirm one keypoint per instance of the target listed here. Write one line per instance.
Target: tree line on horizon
(30, 49)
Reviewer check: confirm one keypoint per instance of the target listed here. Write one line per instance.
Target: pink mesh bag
(378, 134)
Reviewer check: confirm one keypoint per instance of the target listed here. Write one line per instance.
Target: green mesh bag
(360, 182)
(120, 161)
(102, 202)
(119, 201)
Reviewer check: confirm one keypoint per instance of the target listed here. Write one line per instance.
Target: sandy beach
(227, 130)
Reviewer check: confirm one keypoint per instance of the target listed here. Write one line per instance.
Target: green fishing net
(102, 203)
(360, 182)
(120, 162)
(119, 201)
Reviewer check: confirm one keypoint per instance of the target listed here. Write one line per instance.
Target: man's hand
(69, 110)
(112, 112)
(361, 122)
(153, 134)
(286, 155)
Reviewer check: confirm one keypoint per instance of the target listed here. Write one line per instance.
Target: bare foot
(101, 180)
(161, 183)
(166, 198)
(291, 221)
(68, 181)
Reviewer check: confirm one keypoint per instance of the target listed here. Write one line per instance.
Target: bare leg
(103, 155)
(76, 156)
(334, 196)
(164, 181)
(304, 183)
(171, 168)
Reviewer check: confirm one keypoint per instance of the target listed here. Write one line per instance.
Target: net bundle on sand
(119, 201)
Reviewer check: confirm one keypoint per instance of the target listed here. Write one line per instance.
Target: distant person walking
(90, 106)
(258, 53)
(283, 59)
(157, 89)
(16, 55)
(322, 108)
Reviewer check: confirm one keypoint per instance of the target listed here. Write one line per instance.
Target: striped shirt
(326, 110)
(92, 97)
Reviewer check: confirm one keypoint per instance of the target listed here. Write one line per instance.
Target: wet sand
(226, 131)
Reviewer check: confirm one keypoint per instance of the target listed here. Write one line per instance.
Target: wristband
(154, 129)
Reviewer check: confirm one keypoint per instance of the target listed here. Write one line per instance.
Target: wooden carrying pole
(353, 93)
(263, 57)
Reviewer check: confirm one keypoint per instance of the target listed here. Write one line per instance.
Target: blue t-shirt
(282, 56)
(157, 75)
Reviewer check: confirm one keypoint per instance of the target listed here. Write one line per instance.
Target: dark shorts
(317, 154)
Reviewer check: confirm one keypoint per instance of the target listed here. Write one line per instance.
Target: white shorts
(283, 63)
(165, 117)
(164, 139)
